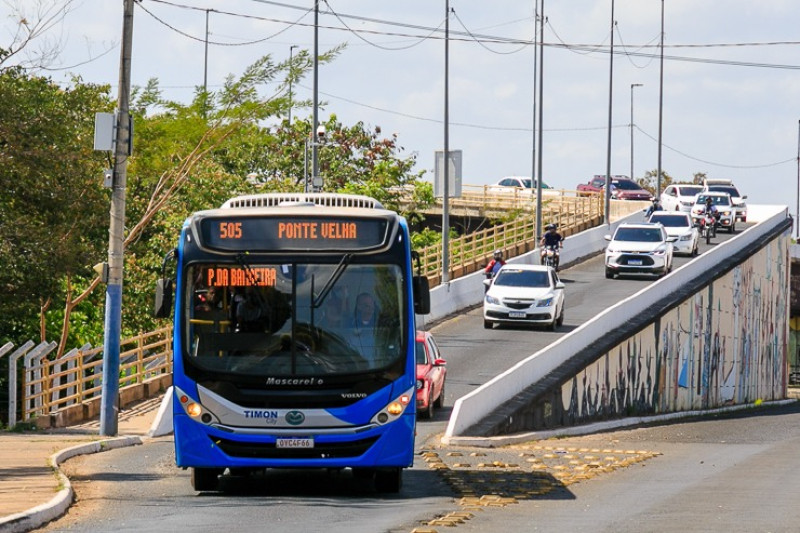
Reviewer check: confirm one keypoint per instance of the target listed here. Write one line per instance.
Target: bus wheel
(205, 479)
(389, 481)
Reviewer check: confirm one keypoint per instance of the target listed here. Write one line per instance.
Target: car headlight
(726, 213)
(420, 384)
(661, 250)
(686, 237)
(547, 302)
(492, 300)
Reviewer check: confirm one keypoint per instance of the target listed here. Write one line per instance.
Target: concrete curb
(58, 505)
(597, 427)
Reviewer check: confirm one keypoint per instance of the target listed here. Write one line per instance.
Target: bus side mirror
(422, 295)
(163, 298)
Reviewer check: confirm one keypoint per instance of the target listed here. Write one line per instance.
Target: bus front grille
(325, 450)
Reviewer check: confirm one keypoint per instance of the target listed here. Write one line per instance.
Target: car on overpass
(522, 294)
(622, 188)
(521, 185)
(737, 198)
(643, 248)
(724, 205)
(680, 226)
(679, 196)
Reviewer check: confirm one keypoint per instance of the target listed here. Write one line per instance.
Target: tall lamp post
(291, 74)
(610, 99)
(660, 102)
(632, 86)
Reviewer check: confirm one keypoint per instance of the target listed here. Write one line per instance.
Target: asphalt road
(712, 475)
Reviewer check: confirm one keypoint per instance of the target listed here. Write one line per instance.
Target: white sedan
(680, 196)
(524, 294)
(521, 185)
(680, 226)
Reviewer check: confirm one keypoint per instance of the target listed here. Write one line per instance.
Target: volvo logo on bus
(295, 418)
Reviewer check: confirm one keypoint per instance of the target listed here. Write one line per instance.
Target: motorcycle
(550, 256)
(708, 225)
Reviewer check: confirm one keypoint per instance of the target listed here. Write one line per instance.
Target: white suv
(739, 205)
(643, 248)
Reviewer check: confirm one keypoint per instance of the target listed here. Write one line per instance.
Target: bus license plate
(294, 443)
(516, 314)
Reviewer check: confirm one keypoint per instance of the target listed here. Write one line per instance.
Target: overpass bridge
(712, 334)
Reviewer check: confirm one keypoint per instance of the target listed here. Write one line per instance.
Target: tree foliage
(186, 157)
(53, 209)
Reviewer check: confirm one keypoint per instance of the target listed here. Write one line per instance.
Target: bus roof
(303, 199)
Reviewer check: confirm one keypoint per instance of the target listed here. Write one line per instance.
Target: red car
(622, 188)
(431, 373)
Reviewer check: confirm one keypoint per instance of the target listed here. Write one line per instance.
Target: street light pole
(315, 181)
(632, 86)
(291, 74)
(610, 99)
(446, 158)
(660, 103)
(539, 176)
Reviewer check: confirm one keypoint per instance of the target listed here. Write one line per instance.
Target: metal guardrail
(76, 377)
(470, 253)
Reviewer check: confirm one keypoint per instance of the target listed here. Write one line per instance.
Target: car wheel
(732, 229)
(609, 274)
(694, 249)
(439, 403)
(561, 318)
(487, 324)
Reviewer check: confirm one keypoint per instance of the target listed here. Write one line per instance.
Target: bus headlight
(194, 409)
(394, 409)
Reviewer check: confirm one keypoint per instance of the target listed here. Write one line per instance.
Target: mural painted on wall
(725, 345)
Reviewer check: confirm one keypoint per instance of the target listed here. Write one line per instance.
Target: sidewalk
(32, 490)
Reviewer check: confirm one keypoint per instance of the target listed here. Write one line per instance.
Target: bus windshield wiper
(335, 275)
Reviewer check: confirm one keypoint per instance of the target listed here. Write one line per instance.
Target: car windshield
(715, 199)
(286, 319)
(422, 355)
(625, 185)
(638, 235)
(723, 188)
(511, 277)
(670, 221)
(527, 184)
(690, 191)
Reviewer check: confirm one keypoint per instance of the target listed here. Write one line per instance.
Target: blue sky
(731, 101)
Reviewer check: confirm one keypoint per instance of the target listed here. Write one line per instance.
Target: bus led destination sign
(296, 233)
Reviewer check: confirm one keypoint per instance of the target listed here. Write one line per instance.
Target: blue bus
(294, 328)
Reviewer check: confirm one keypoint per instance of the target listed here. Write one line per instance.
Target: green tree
(650, 180)
(53, 208)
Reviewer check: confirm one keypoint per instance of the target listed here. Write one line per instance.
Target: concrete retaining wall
(479, 404)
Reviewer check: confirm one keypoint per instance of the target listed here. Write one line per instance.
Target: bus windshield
(293, 319)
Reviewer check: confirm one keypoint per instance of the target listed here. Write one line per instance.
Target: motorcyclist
(655, 206)
(551, 238)
(495, 264)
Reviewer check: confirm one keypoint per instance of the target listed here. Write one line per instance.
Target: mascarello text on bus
(294, 328)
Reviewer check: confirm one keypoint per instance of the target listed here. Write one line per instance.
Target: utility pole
(633, 85)
(660, 102)
(446, 166)
(316, 182)
(109, 405)
(610, 100)
(538, 174)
